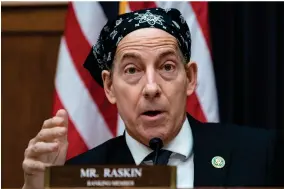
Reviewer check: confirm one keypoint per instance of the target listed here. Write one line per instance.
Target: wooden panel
(32, 3)
(33, 18)
(29, 58)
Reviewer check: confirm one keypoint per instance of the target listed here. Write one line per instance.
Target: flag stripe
(79, 50)
(194, 109)
(87, 21)
(201, 12)
(76, 143)
(206, 91)
(77, 101)
(141, 5)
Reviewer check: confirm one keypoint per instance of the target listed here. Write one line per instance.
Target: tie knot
(163, 157)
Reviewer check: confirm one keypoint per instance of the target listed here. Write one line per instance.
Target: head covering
(103, 52)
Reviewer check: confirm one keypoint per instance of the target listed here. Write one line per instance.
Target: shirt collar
(181, 144)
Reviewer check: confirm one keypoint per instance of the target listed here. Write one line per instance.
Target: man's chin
(153, 133)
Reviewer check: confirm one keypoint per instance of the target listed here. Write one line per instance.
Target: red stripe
(193, 105)
(201, 12)
(194, 109)
(76, 144)
(79, 48)
(141, 5)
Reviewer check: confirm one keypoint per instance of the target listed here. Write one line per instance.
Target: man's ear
(108, 88)
(191, 73)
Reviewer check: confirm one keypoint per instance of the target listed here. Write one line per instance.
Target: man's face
(150, 84)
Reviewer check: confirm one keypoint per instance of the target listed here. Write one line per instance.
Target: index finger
(63, 114)
(60, 119)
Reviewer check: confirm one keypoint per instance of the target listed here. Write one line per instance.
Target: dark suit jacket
(249, 154)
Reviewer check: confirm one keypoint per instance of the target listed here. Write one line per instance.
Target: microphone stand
(156, 144)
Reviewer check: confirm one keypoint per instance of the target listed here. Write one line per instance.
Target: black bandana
(170, 20)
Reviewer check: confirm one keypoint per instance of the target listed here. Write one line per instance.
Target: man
(142, 59)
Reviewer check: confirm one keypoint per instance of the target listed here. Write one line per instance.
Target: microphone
(156, 144)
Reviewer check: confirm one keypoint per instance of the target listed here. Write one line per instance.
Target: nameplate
(110, 176)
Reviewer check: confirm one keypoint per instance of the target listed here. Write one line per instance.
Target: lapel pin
(218, 162)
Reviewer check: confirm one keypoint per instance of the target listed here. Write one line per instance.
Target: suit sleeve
(275, 154)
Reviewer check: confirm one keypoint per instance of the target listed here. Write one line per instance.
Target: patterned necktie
(163, 157)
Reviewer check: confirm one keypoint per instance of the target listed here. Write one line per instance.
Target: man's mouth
(152, 113)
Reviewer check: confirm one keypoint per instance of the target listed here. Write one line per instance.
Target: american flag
(92, 119)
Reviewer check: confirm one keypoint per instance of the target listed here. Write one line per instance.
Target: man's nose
(151, 89)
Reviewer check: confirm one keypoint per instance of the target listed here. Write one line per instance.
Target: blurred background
(238, 46)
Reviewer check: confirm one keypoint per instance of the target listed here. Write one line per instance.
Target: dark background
(248, 56)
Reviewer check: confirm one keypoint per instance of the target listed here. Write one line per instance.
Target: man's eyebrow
(167, 53)
(130, 55)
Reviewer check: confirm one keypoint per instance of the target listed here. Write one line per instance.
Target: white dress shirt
(182, 155)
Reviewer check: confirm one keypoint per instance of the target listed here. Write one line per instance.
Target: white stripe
(206, 90)
(120, 126)
(79, 104)
(91, 19)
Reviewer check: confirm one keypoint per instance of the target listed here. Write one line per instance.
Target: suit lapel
(208, 142)
(121, 154)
